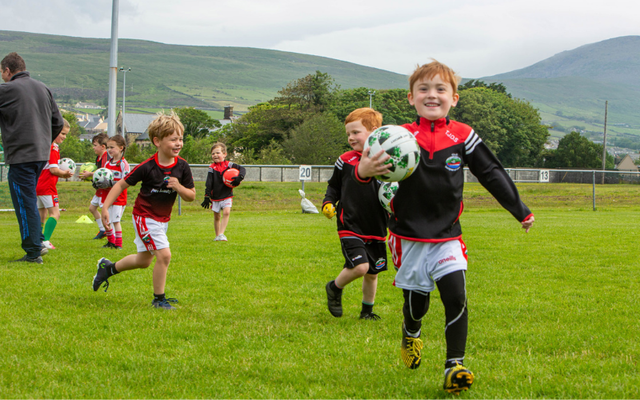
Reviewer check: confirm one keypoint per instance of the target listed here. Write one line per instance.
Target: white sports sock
(100, 224)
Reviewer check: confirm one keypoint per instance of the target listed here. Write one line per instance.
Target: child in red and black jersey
(217, 196)
(163, 176)
(116, 146)
(100, 148)
(425, 234)
(362, 222)
(47, 190)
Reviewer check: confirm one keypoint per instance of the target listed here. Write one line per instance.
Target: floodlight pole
(113, 71)
(124, 85)
(604, 140)
(371, 93)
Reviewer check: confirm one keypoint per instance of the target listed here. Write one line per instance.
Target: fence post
(594, 190)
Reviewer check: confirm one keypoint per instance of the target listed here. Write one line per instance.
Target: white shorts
(115, 213)
(217, 206)
(150, 234)
(48, 201)
(96, 201)
(421, 264)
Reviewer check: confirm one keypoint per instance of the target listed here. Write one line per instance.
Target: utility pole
(124, 85)
(113, 71)
(604, 141)
(371, 93)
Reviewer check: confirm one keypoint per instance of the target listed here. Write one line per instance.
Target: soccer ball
(103, 178)
(87, 167)
(385, 194)
(228, 175)
(401, 145)
(67, 164)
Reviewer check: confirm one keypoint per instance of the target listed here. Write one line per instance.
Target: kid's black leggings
(452, 288)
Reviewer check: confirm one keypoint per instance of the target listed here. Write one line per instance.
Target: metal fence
(322, 173)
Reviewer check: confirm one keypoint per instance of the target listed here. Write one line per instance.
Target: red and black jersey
(358, 209)
(215, 187)
(428, 204)
(155, 200)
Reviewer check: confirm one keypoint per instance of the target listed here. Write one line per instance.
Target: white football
(67, 164)
(401, 145)
(103, 178)
(385, 194)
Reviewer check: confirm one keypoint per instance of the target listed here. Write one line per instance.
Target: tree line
(304, 124)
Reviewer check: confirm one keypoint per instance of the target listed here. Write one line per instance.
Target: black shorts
(357, 251)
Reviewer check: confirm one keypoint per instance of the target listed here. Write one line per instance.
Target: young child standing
(425, 233)
(217, 196)
(47, 190)
(362, 222)
(100, 148)
(164, 176)
(116, 146)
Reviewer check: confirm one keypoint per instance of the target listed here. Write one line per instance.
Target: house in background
(627, 164)
(135, 127)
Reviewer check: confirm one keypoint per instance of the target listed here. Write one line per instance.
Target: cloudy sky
(476, 37)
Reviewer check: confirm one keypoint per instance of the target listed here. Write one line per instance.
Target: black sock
(158, 297)
(366, 308)
(334, 287)
(453, 363)
(112, 269)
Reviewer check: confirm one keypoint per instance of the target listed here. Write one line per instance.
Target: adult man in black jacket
(29, 121)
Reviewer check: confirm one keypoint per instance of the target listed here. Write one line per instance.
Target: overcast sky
(475, 37)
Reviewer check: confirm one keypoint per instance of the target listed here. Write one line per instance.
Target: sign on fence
(544, 175)
(305, 172)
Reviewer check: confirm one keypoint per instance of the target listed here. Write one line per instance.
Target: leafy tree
(392, 104)
(198, 150)
(78, 151)
(319, 140)
(314, 92)
(135, 154)
(273, 154)
(496, 87)
(576, 151)
(511, 128)
(197, 123)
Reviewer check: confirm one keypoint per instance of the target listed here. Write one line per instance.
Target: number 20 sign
(305, 172)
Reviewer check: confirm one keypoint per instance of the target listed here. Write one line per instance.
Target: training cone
(84, 220)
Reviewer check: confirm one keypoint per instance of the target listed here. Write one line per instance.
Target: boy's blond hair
(222, 146)
(165, 125)
(428, 71)
(100, 138)
(65, 124)
(369, 118)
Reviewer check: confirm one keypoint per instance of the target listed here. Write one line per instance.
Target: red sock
(111, 237)
(119, 238)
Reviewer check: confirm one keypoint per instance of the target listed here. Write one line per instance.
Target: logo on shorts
(380, 263)
(356, 258)
(55, 199)
(454, 162)
(444, 260)
(146, 237)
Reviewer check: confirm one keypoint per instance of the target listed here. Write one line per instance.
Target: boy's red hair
(369, 117)
(428, 71)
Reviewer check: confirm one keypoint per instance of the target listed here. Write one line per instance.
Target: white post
(124, 86)
(113, 71)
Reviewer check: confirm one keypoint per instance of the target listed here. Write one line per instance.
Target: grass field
(553, 313)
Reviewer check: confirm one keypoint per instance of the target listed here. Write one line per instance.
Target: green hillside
(571, 88)
(171, 75)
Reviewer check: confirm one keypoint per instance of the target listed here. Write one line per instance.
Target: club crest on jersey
(453, 163)
(380, 263)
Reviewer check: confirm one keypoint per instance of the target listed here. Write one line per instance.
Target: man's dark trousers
(23, 179)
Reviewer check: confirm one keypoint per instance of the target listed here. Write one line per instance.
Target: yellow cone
(84, 220)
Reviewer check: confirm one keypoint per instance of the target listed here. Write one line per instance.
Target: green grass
(553, 313)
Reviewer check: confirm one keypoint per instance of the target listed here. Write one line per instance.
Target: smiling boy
(164, 176)
(362, 222)
(425, 233)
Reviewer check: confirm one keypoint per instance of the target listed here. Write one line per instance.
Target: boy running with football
(47, 190)
(218, 193)
(425, 233)
(362, 222)
(164, 176)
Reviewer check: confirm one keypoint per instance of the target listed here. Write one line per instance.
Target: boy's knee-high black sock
(453, 293)
(416, 305)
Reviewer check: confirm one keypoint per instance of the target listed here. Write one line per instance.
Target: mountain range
(569, 88)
